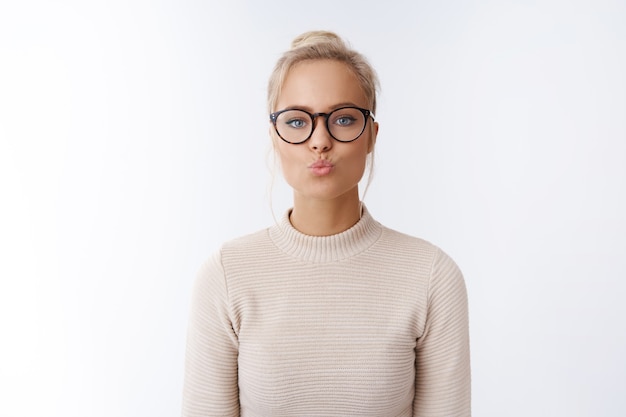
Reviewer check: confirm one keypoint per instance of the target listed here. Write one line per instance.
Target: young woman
(327, 313)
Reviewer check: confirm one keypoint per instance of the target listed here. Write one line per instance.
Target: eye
(344, 120)
(296, 123)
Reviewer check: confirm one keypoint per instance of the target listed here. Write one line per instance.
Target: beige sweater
(368, 322)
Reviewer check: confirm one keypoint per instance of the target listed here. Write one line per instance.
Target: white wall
(133, 141)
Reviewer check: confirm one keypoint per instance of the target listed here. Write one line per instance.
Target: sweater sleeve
(442, 386)
(210, 385)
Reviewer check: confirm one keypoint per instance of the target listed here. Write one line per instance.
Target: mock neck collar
(320, 249)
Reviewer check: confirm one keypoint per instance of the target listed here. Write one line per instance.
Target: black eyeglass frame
(313, 116)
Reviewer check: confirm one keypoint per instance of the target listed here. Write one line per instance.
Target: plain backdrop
(133, 142)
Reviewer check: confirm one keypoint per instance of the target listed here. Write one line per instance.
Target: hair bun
(315, 37)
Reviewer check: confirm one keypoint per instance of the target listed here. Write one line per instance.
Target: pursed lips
(321, 167)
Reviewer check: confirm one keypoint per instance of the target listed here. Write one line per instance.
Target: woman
(327, 312)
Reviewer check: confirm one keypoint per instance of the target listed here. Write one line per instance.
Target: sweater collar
(320, 249)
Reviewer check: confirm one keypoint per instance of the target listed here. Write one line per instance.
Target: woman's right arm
(210, 387)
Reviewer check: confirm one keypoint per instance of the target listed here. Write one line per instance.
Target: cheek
(286, 160)
(282, 155)
(357, 160)
(278, 150)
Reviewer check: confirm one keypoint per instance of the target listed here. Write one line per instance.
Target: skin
(327, 204)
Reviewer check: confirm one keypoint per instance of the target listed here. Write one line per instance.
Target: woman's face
(323, 168)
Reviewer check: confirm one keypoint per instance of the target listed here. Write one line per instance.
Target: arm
(210, 387)
(442, 385)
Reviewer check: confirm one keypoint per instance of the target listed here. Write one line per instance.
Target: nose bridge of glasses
(314, 118)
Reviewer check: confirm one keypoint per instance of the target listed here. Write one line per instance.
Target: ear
(373, 136)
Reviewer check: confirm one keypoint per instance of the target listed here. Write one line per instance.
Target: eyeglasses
(345, 124)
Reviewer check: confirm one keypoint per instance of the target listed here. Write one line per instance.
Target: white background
(133, 141)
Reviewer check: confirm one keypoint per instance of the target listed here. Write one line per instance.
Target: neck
(326, 217)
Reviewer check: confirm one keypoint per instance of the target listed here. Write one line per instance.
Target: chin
(327, 192)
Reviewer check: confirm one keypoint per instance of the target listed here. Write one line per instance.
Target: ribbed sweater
(368, 322)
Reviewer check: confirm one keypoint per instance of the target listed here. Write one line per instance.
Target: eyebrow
(331, 108)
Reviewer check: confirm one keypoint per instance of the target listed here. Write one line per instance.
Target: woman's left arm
(442, 380)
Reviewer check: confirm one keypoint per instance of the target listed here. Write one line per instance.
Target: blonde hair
(321, 44)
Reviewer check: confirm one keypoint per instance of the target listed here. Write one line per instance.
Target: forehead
(319, 86)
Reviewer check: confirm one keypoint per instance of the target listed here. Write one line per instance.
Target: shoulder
(401, 242)
(238, 244)
(422, 251)
(231, 253)
(242, 252)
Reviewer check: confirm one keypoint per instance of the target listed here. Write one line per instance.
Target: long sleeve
(210, 387)
(442, 386)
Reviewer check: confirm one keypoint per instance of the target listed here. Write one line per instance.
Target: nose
(320, 140)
